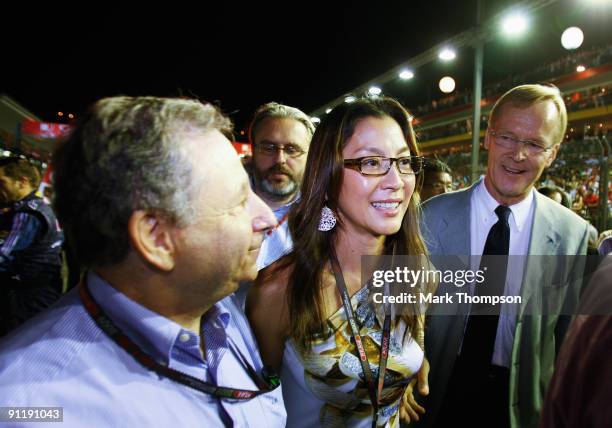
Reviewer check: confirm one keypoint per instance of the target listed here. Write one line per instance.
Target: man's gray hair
(279, 111)
(126, 155)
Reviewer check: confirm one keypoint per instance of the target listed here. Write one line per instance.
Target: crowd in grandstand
(548, 71)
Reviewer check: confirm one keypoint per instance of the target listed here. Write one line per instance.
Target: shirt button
(184, 337)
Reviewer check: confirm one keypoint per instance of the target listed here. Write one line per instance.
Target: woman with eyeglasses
(313, 314)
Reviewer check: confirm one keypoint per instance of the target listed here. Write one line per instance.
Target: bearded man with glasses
(500, 378)
(280, 136)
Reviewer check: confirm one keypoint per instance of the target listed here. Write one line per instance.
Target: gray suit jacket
(555, 231)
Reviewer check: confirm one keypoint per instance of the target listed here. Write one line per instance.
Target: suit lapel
(456, 225)
(544, 241)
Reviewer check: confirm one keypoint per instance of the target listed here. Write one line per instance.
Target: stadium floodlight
(349, 99)
(447, 84)
(514, 24)
(406, 74)
(374, 90)
(580, 68)
(328, 110)
(447, 54)
(315, 119)
(572, 38)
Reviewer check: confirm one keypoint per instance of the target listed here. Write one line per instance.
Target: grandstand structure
(445, 128)
(582, 166)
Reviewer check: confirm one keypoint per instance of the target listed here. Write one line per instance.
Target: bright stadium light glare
(406, 75)
(447, 84)
(572, 38)
(327, 110)
(315, 119)
(349, 99)
(447, 54)
(374, 90)
(580, 68)
(514, 24)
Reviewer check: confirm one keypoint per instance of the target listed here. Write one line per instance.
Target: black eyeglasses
(271, 149)
(506, 141)
(378, 165)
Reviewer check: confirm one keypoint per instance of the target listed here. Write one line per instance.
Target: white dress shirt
(482, 218)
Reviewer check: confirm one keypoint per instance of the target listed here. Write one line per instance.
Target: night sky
(300, 53)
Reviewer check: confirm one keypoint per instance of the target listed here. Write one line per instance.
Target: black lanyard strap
(114, 333)
(375, 393)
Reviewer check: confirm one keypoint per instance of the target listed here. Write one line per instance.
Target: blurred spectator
(591, 199)
(48, 193)
(436, 179)
(559, 196)
(556, 194)
(280, 135)
(580, 389)
(30, 246)
(604, 243)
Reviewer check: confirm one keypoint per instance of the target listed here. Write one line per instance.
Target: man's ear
(151, 237)
(487, 140)
(553, 154)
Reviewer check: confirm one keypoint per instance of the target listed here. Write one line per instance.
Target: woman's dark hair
(321, 186)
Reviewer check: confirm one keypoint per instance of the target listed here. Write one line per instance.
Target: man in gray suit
(526, 128)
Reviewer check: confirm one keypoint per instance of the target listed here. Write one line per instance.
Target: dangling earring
(328, 219)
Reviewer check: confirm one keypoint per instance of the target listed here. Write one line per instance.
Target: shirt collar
(280, 212)
(154, 333)
(27, 198)
(217, 312)
(520, 211)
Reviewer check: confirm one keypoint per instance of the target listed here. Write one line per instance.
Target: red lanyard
(375, 393)
(280, 222)
(112, 331)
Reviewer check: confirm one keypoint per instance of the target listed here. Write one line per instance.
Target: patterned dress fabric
(332, 373)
